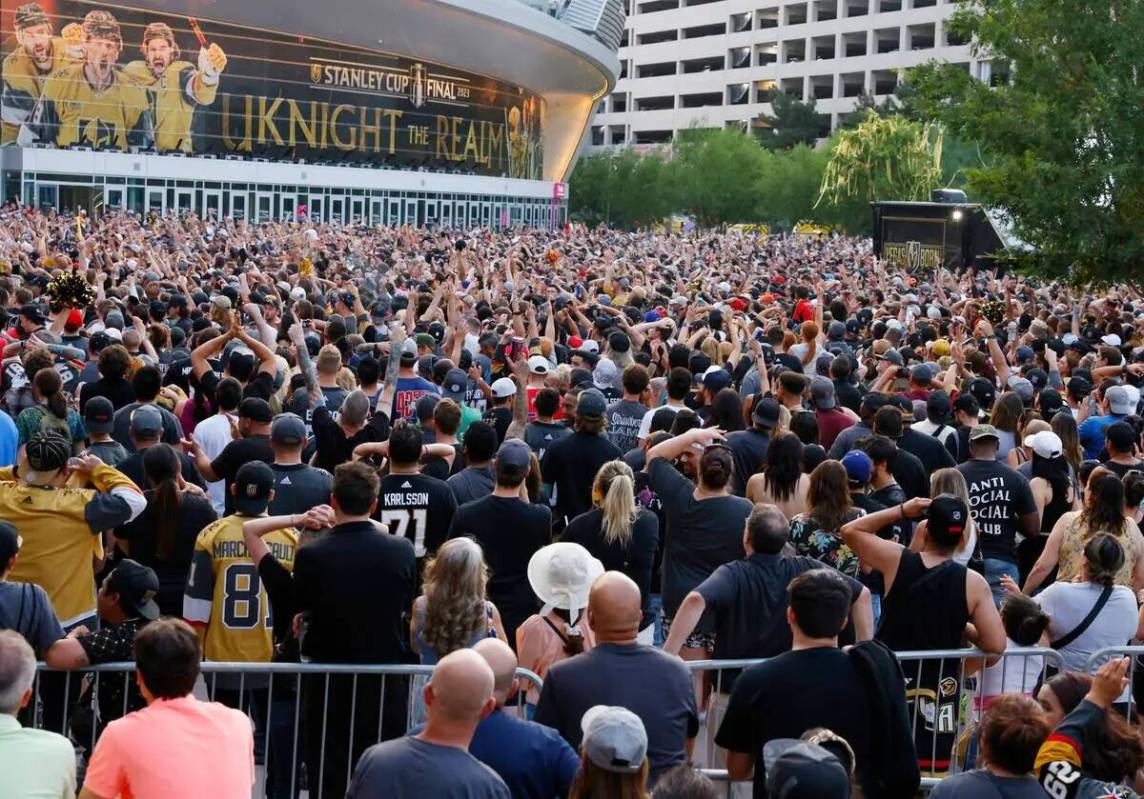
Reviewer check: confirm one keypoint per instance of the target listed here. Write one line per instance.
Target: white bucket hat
(562, 574)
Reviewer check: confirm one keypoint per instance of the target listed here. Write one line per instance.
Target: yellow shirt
(60, 528)
(72, 111)
(23, 83)
(173, 97)
(225, 599)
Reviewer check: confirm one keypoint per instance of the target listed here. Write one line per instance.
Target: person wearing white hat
(561, 575)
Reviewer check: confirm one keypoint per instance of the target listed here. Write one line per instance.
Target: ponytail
(614, 491)
(161, 465)
(50, 388)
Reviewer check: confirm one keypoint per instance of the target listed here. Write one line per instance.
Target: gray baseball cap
(456, 385)
(146, 421)
(1119, 401)
(614, 739)
(592, 403)
(822, 392)
(514, 457)
(288, 428)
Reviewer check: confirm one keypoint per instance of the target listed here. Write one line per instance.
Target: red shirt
(803, 311)
(831, 422)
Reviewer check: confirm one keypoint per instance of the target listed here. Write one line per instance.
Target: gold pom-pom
(306, 267)
(552, 256)
(69, 290)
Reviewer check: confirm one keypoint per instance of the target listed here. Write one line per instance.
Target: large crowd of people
(591, 454)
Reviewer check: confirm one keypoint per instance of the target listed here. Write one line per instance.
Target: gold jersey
(173, 97)
(225, 599)
(71, 111)
(23, 84)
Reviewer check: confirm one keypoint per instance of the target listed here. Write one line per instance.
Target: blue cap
(858, 467)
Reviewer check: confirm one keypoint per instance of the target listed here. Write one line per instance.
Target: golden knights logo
(417, 85)
(316, 72)
(914, 254)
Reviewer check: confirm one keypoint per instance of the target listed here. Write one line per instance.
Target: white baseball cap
(590, 345)
(503, 387)
(539, 365)
(1046, 444)
(1111, 340)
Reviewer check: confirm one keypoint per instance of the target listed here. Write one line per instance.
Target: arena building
(459, 113)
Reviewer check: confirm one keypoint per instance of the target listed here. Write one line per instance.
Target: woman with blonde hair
(453, 611)
(620, 534)
(949, 481)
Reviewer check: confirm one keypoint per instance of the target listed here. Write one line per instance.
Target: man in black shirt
(931, 452)
(297, 486)
(477, 479)
(1001, 504)
(571, 463)
(509, 530)
(254, 418)
(414, 505)
(885, 491)
(146, 381)
(144, 431)
(749, 447)
(846, 393)
(241, 367)
(905, 467)
(813, 685)
(353, 588)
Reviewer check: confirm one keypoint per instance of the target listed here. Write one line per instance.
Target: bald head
(614, 611)
(460, 689)
(502, 660)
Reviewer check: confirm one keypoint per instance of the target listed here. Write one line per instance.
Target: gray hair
(17, 670)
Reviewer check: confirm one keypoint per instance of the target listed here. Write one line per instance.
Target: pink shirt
(175, 747)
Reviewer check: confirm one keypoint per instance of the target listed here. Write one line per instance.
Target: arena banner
(79, 74)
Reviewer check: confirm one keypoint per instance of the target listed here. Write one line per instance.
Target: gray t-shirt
(980, 783)
(25, 608)
(540, 436)
(624, 418)
(409, 768)
(299, 487)
(472, 483)
(110, 452)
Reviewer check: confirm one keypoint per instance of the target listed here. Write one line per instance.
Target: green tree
(789, 185)
(716, 172)
(1063, 123)
(624, 189)
(883, 158)
(791, 122)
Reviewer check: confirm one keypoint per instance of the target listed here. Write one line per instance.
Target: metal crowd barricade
(274, 696)
(1135, 673)
(931, 676)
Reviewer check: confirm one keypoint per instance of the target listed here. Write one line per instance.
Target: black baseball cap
(947, 516)
(288, 428)
(591, 404)
(802, 770)
(137, 586)
(1050, 402)
(33, 313)
(967, 403)
(256, 409)
(766, 413)
(10, 543)
(983, 391)
(252, 486)
(99, 415)
(513, 458)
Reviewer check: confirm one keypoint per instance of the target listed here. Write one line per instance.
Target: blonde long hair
(614, 491)
(454, 589)
(951, 481)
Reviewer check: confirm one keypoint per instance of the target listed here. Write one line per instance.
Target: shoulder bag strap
(1086, 622)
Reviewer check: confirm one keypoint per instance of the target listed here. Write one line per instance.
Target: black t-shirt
(636, 559)
(436, 466)
(910, 474)
(998, 498)
(571, 464)
(1121, 469)
(889, 496)
(847, 395)
(193, 515)
(931, 452)
(279, 585)
(749, 450)
(700, 535)
(792, 693)
(418, 507)
(748, 598)
(333, 448)
(299, 487)
(500, 419)
(234, 455)
(119, 392)
(509, 531)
